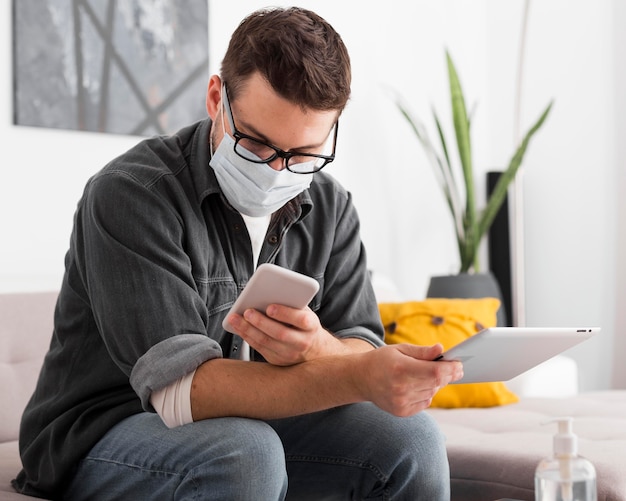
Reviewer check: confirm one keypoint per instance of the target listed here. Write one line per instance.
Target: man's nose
(277, 164)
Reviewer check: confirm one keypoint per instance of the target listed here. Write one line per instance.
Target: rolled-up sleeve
(168, 361)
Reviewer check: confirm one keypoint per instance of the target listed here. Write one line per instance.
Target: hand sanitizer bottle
(565, 476)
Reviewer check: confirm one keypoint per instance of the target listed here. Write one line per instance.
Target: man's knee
(251, 461)
(412, 451)
(417, 437)
(258, 450)
(424, 458)
(429, 437)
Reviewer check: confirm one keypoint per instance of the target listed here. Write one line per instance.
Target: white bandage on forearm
(173, 403)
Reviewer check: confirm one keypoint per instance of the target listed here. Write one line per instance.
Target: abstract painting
(136, 67)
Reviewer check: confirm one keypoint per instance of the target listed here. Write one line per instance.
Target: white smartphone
(272, 284)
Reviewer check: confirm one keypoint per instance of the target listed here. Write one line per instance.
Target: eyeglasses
(258, 151)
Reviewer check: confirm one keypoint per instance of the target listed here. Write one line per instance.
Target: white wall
(43, 174)
(619, 132)
(570, 177)
(572, 223)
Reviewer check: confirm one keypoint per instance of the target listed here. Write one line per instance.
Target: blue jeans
(353, 452)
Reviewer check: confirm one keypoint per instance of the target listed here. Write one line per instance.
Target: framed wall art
(136, 67)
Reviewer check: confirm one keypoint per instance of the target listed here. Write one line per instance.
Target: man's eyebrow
(259, 135)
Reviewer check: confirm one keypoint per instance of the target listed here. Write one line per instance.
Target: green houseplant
(471, 225)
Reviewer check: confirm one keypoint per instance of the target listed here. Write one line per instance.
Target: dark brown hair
(301, 56)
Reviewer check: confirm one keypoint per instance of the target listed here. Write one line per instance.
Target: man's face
(260, 112)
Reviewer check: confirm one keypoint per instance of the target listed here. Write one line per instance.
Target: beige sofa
(493, 452)
(25, 331)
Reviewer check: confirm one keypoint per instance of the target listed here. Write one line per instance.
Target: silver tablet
(272, 284)
(502, 353)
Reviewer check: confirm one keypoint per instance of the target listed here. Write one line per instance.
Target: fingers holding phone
(272, 284)
(283, 335)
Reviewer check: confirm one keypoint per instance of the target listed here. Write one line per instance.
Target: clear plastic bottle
(565, 476)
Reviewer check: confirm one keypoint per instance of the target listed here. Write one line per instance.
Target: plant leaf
(441, 166)
(500, 190)
(462, 131)
(442, 138)
(450, 183)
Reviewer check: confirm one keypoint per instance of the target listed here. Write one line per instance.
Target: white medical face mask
(251, 188)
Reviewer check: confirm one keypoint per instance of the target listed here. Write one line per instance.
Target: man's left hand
(287, 336)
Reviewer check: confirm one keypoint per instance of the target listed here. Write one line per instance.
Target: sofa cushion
(449, 322)
(9, 466)
(26, 321)
(493, 452)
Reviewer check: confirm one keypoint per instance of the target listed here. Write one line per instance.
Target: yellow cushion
(447, 321)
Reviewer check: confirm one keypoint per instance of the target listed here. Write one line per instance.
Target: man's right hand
(402, 379)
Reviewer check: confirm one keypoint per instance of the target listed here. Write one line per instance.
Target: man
(143, 395)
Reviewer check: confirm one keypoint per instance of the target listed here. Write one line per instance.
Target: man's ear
(214, 96)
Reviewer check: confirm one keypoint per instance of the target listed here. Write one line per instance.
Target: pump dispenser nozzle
(565, 445)
(562, 477)
(565, 442)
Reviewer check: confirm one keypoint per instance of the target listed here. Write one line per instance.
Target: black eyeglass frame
(278, 153)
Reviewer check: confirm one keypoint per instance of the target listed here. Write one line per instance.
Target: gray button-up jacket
(156, 258)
